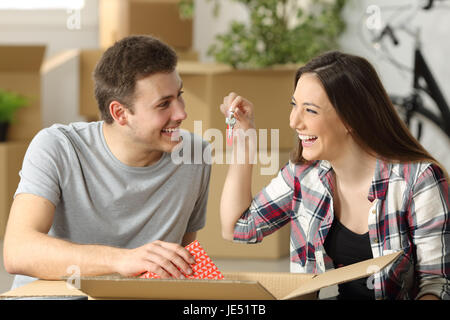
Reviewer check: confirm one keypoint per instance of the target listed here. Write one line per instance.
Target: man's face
(158, 111)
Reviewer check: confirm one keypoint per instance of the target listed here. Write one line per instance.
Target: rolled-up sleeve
(270, 209)
(431, 232)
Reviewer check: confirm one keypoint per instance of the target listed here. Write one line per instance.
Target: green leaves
(10, 102)
(280, 32)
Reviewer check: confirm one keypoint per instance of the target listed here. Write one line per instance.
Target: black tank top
(346, 247)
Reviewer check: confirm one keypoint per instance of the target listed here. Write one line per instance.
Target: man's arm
(188, 238)
(30, 251)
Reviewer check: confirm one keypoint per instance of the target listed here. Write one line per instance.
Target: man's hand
(159, 257)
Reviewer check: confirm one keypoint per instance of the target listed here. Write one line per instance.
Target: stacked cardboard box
(20, 73)
(160, 18)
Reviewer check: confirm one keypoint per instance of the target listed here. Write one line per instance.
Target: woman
(358, 186)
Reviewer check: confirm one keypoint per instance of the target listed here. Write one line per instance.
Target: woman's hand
(243, 111)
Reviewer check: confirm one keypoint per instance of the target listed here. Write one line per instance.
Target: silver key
(230, 121)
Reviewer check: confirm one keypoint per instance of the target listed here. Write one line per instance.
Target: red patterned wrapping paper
(203, 268)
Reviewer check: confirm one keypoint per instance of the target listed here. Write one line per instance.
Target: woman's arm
(237, 193)
(431, 232)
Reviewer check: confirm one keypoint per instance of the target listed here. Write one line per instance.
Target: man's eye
(164, 104)
(180, 93)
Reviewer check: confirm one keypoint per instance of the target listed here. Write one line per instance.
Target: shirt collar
(380, 180)
(326, 175)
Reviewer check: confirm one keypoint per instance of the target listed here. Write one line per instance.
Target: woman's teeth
(304, 138)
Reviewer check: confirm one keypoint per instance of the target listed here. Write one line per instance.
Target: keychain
(230, 121)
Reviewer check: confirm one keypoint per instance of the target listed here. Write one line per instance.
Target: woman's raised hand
(243, 110)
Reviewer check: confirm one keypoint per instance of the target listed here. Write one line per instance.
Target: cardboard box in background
(270, 90)
(273, 246)
(236, 286)
(88, 104)
(11, 158)
(20, 72)
(160, 18)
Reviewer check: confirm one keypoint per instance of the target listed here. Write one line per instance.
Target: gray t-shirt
(100, 200)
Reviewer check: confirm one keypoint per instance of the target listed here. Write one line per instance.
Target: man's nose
(179, 112)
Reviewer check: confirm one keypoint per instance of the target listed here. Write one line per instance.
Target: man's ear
(118, 112)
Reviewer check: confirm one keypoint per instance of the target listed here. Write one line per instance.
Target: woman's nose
(295, 118)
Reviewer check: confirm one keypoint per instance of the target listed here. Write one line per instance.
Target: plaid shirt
(410, 212)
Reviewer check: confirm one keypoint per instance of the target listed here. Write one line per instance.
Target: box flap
(21, 58)
(172, 289)
(336, 276)
(278, 284)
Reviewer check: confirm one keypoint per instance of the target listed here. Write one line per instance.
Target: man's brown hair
(128, 60)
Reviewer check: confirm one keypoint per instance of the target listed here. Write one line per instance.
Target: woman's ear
(118, 112)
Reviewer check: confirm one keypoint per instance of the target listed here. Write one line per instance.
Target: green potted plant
(280, 32)
(10, 102)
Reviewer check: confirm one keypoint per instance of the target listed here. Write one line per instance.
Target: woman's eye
(311, 111)
(293, 104)
(180, 93)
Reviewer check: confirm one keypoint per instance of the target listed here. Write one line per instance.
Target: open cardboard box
(236, 286)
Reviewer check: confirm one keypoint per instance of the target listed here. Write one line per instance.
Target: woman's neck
(355, 167)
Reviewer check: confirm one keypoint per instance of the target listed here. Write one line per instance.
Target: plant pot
(3, 131)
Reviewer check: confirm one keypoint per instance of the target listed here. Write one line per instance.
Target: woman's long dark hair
(361, 102)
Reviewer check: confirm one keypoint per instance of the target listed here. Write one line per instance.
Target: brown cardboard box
(272, 247)
(236, 286)
(160, 18)
(270, 90)
(20, 72)
(11, 158)
(88, 104)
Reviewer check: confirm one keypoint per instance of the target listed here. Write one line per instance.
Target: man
(105, 196)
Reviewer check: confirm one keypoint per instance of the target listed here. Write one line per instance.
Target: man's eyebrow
(171, 95)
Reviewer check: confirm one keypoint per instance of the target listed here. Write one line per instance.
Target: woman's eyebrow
(310, 104)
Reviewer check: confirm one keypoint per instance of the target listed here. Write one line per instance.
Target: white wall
(59, 30)
(50, 27)
(434, 34)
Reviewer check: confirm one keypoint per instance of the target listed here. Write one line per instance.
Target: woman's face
(322, 133)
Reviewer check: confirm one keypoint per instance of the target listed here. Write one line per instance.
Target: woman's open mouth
(307, 141)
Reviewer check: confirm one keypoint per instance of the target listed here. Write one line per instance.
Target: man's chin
(171, 145)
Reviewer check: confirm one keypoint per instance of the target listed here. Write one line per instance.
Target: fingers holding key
(242, 110)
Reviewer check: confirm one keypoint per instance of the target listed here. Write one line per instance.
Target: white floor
(280, 265)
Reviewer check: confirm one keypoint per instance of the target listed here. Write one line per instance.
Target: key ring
(230, 121)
